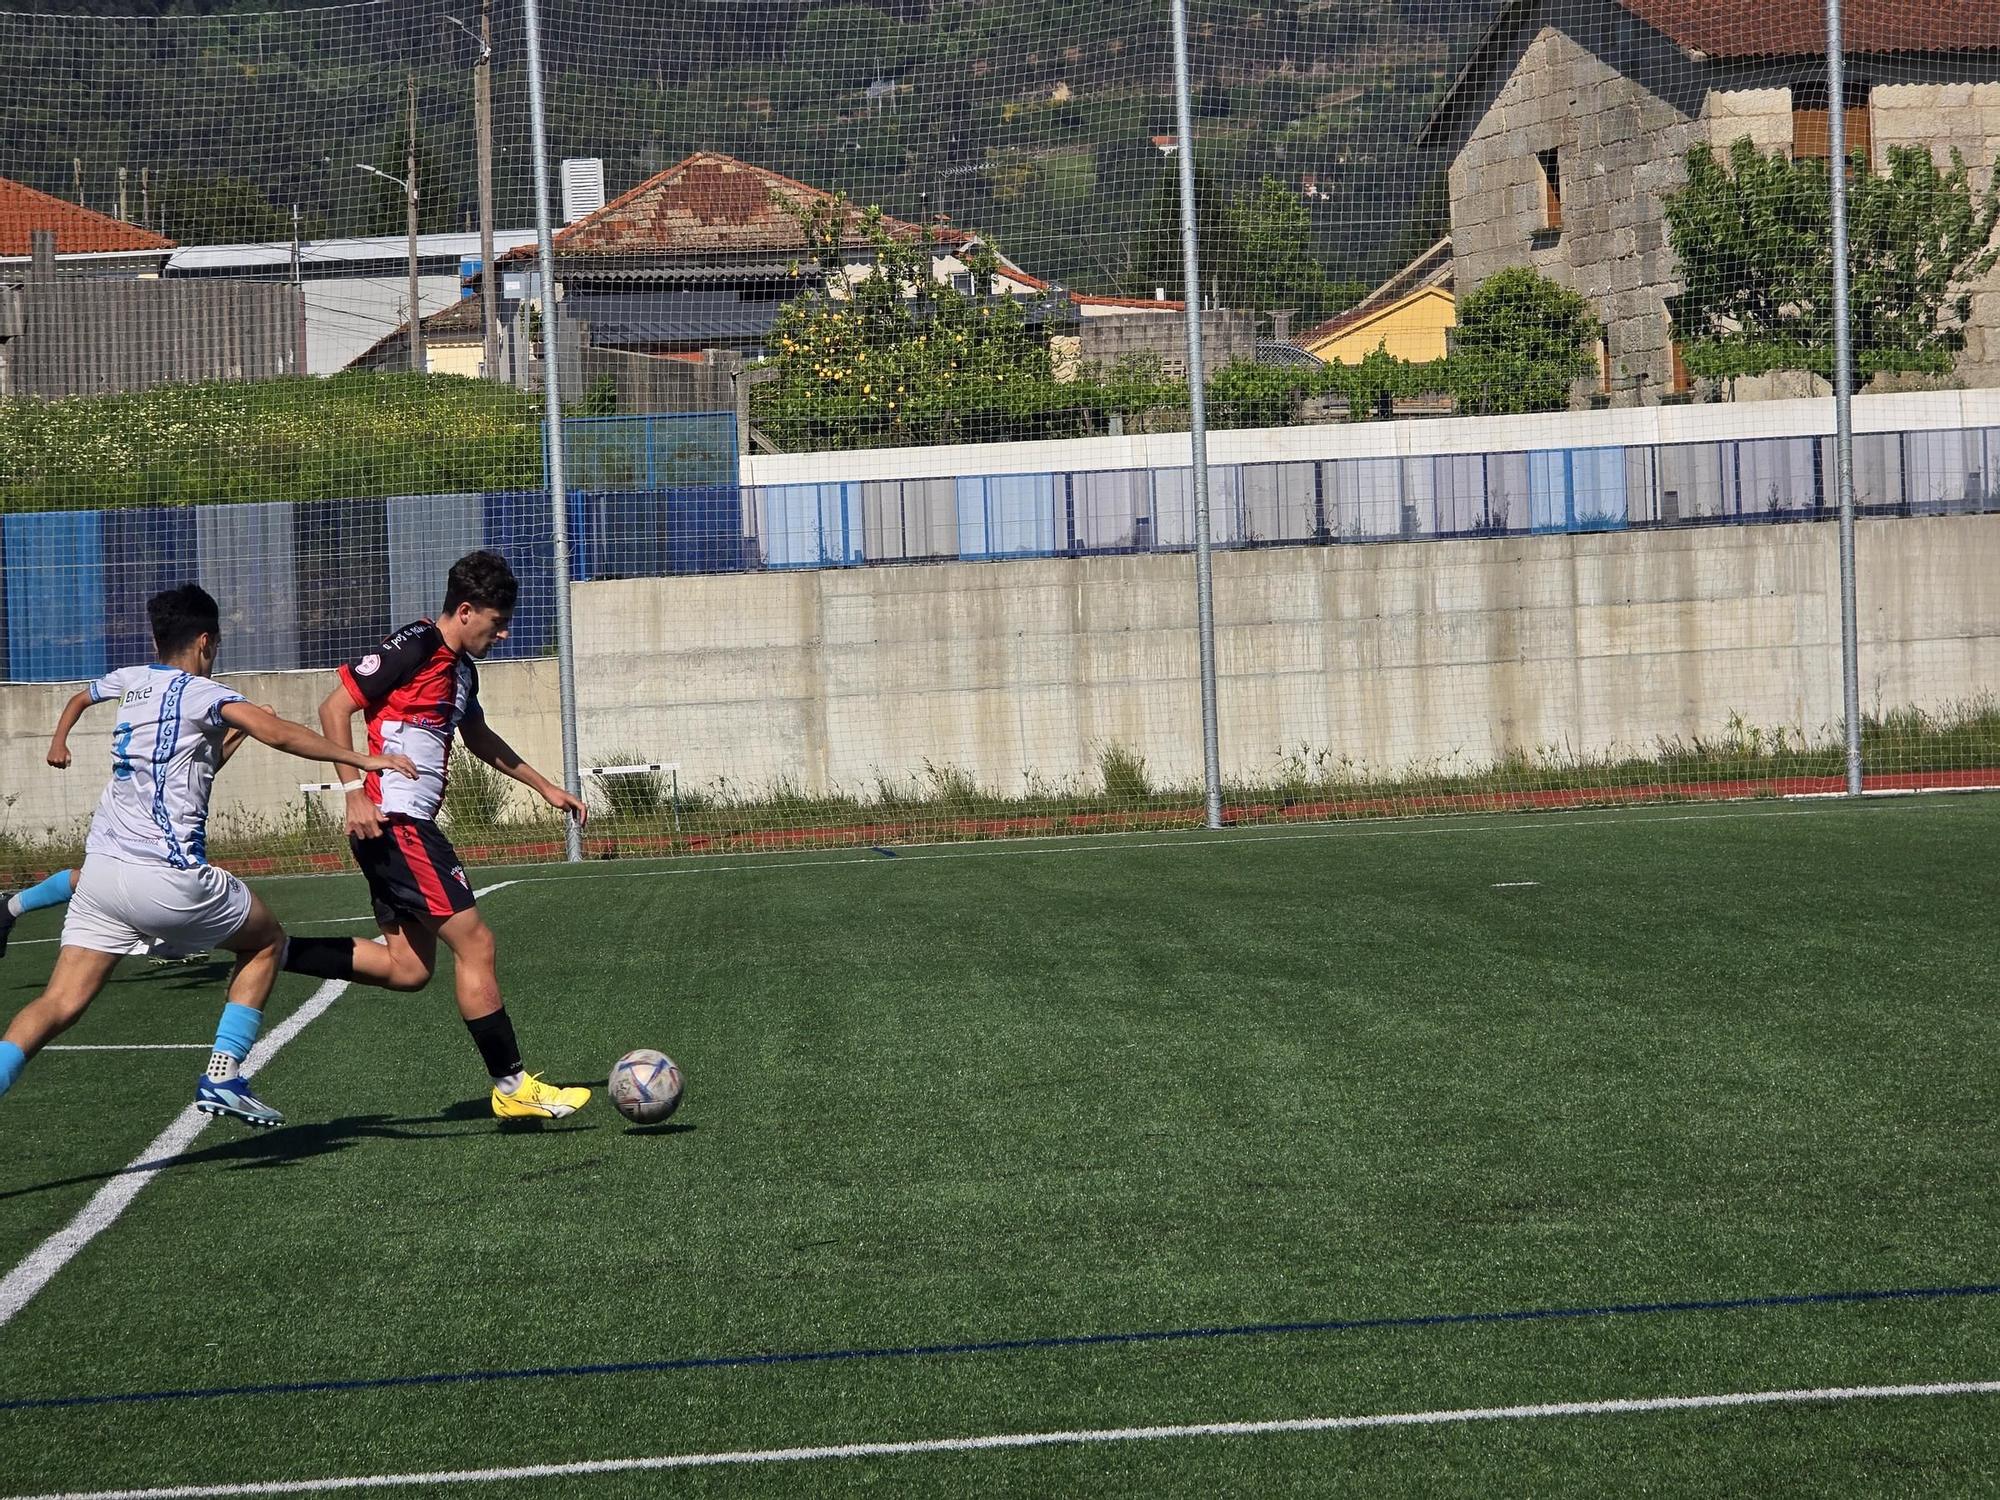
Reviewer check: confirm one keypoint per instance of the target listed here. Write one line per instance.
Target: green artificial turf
(1027, 1092)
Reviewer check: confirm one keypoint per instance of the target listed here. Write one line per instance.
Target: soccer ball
(645, 1086)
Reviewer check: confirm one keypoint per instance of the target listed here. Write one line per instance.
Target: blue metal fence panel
(1597, 489)
(145, 551)
(427, 534)
(705, 530)
(243, 556)
(812, 525)
(55, 596)
(340, 552)
(516, 525)
(663, 450)
(621, 534)
(1006, 515)
(1548, 490)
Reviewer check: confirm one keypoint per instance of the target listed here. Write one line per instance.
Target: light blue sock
(12, 1060)
(235, 1035)
(51, 892)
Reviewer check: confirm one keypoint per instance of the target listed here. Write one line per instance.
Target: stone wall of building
(1618, 147)
(1621, 149)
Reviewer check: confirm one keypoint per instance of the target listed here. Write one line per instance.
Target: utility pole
(482, 117)
(416, 309)
(299, 294)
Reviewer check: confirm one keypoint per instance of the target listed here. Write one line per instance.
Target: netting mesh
(870, 329)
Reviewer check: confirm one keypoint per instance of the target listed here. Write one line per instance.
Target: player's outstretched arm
(295, 739)
(72, 711)
(233, 738)
(500, 755)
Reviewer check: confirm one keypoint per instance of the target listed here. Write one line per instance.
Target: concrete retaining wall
(1442, 654)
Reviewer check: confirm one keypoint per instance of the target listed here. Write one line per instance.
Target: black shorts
(413, 872)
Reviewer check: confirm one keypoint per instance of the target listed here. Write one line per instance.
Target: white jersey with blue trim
(164, 756)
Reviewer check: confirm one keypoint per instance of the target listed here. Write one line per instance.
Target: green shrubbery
(897, 359)
(334, 438)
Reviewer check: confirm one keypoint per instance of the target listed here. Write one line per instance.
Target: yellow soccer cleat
(535, 1100)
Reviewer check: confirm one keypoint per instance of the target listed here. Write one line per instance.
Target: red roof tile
(1087, 299)
(78, 231)
(705, 205)
(1778, 28)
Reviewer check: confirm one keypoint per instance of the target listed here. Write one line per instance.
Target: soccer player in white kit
(146, 878)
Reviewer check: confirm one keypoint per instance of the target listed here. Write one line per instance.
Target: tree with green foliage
(1256, 249)
(896, 356)
(1274, 267)
(224, 210)
(1754, 239)
(1521, 342)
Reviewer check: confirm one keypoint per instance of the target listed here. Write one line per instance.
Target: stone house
(1571, 121)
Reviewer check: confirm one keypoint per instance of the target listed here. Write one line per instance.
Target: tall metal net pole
(552, 416)
(1204, 581)
(1843, 398)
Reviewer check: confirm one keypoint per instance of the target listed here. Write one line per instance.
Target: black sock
(494, 1036)
(321, 957)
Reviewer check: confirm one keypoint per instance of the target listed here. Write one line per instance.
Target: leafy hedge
(345, 436)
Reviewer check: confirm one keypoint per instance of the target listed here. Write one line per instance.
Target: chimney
(1281, 325)
(582, 187)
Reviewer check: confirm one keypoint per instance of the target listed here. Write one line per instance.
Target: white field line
(1418, 825)
(1007, 1440)
(1514, 885)
(19, 1286)
(127, 1047)
(1192, 841)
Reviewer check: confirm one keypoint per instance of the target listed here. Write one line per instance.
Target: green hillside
(1027, 119)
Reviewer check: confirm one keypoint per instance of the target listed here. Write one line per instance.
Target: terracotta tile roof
(78, 230)
(1777, 28)
(1087, 299)
(707, 204)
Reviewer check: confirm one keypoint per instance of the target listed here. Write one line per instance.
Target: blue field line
(1004, 1346)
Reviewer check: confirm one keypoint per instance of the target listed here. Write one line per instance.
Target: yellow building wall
(454, 359)
(1411, 329)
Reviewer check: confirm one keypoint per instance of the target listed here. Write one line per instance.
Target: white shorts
(132, 908)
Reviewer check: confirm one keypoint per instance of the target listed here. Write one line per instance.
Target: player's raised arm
(72, 711)
(501, 756)
(295, 739)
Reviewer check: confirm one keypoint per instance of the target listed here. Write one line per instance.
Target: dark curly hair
(179, 616)
(481, 579)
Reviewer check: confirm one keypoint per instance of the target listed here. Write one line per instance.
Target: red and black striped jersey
(415, 691)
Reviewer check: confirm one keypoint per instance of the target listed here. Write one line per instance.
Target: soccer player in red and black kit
(417, 689)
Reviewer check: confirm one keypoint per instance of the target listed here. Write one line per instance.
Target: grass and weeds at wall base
(1906, 749)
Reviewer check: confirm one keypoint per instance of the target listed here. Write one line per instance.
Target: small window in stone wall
(1551, 173)
(1812, 122)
